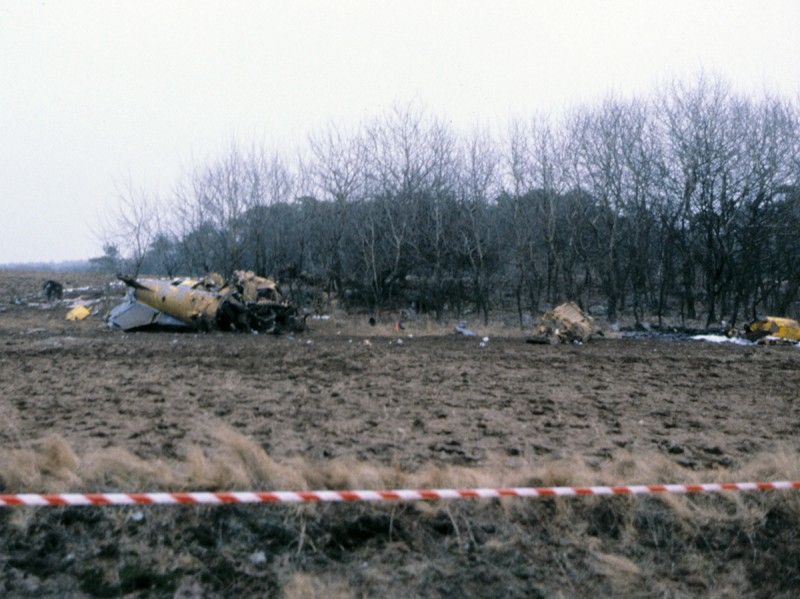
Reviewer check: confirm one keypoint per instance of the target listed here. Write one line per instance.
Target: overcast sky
(93, 93)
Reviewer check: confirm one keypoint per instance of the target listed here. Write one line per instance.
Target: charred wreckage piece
(53, 290)
(246, 303)
(566, 323)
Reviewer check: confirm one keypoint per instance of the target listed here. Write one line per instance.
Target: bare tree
(519, 219)
(402, 161)
(767, 146)
(601, 135)
(479, 185)
(132, 224)
(337, 174)
(267, 184)
(702, 147)
(194, 224)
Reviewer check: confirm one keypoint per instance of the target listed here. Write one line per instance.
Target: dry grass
(234, 461)
(47, 463)
(301, 585)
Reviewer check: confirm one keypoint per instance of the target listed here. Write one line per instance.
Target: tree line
(683, 204)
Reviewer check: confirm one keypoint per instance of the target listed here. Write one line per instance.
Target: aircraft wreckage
(566, 323)
(245, 303)
(772, 328)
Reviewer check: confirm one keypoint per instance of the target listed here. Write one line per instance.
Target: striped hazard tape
(206, 498)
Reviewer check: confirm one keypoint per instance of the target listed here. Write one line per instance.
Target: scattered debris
(56, 295)
(247, 303)
(461, 329)
(566, 323)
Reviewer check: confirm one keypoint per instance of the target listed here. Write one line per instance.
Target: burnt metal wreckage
(247, 303)
(566, 323)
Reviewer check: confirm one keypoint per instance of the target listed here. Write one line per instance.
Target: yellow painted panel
(78, 313)
(783, 328)
(192, 306)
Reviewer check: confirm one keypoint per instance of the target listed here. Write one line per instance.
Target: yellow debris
(78, 313)
(771, 326)
(566, 323)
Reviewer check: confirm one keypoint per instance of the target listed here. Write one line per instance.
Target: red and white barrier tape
(395, 495)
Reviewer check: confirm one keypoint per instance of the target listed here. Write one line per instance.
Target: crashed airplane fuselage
(246, 303)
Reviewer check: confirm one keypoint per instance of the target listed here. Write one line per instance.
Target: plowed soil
(345, 403)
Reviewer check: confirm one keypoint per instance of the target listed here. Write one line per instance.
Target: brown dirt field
(343, 405)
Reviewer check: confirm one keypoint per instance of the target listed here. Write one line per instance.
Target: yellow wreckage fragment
(771, 326)
(78, 313)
